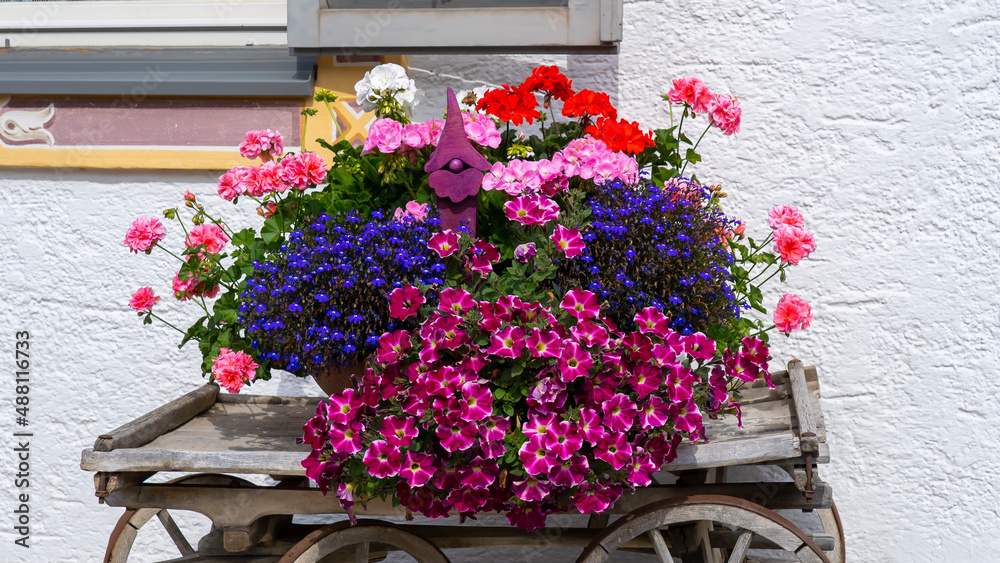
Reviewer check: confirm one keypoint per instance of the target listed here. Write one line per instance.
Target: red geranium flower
(621, 135)
(548, 79)
(588, 104)
(512, 105)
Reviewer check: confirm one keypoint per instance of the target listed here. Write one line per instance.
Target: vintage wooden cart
(700, 517)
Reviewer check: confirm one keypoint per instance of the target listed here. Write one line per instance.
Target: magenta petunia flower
(619, 413)
(538, 425)
(574, 361)
(548, 395)
(645, 379)
(477, 403)
(592, 498)
(507, 343)
(346, 438)
(457, 434)
(740, 367)
(563, 439)
(544, 344)
(391, 346)
(524, 252)
(528, 518)
(483, 256)
(590, 334)
(143, 299)
(615, 449)
(456, 301)
(680, 383)
(468, 500)
(417, 469)
(640, 348)
(383, 460)
(654, 413)
(404, 301)
(494, 428)
(344, 406)
(479, 474)
(442, 381)
(569, 472)
(399, 431)
(640, 470)
(651, 320)
(590, 426)
(687, 416)
(568, 240)
(663, 355)
(143, 234)
(531, 490)
(534, 456)
(444, 243)
(581, 304)
(699, 346)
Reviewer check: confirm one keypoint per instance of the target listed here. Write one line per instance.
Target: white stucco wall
(879, 120)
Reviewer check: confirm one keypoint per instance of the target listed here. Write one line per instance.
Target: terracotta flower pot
(332, 379)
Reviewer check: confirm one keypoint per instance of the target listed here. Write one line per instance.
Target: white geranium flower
(387, 80)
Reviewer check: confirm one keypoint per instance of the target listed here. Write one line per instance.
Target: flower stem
(170, 253)
(698, 142)
(336, 123)
(157, 317)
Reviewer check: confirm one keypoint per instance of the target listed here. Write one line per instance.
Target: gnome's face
(456, 181)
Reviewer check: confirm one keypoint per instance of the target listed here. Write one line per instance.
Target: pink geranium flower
(699, 346)
(399, 431)
(270, 178)
(614, 449)
(793, 243)
(444, 243)
(417, 469)
(574, 362)
(781, 215)
(232, 369)
(581, 304)
(792, 313)
(303, 170)
(143, 299)
(481, 129)
(725, 113)
(385, 135)
(619, 413)
(568, 240)
(456, 301)
(263, 143)
(231, 184)
(143, 234)
(208, 234)
(692, 92)
(415, 211)
(383, 460)
(404, 301)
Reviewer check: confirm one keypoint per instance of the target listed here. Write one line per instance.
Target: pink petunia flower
(232, 369)
(645, 379)
(544, 344)
(574, 362)
(344, 406)
(590, 426)
(143, 234)
(640, 470)
(651, 320)
(392, 345)
(619, 413)
(404, 301)
(208, 234)
(531, 490)
(654, 413)
(589, 334)
(781, 215)
(483, 255)
(687, 416)
(346, 438)
(569, 472)
(563, 439)
(456, 434)
(444, 243)
(507, 342)
(383, 460)
(538, 425)
(568, 240)
(581, 304)
(614, 449)
(456, 301)
(680, 383)
(417, 469)
(699, 346)
(793, 243)
(399, 431)
(479, 474)
(477, 402)
(534, 456)
(524, 252)
(143, 299)
(792, 313)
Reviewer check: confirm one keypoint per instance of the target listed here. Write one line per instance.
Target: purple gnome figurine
(455, 171)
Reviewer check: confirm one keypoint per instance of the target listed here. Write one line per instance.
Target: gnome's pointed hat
(455, 168)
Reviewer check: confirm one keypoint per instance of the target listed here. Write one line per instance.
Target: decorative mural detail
(26, 127)
(352, 119)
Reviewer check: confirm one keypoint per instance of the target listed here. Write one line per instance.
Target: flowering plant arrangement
(544, 351)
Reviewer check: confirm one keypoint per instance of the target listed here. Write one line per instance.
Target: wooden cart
(700, 517)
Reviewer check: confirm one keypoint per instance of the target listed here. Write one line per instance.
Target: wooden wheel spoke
(739, 551)
(361, 552)
(175, 533)
(660, 546)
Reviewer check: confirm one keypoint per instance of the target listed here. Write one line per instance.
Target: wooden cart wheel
(368, 540)
(127, 528)
(830, 519)
(685, 523)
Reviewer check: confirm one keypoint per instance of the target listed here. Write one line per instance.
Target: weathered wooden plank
(740, 549)
(743, 452)
(153, 459)
(158, 421)
(803, 407)
(243, 399)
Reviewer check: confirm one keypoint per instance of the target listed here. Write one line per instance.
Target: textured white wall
(879, 120)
